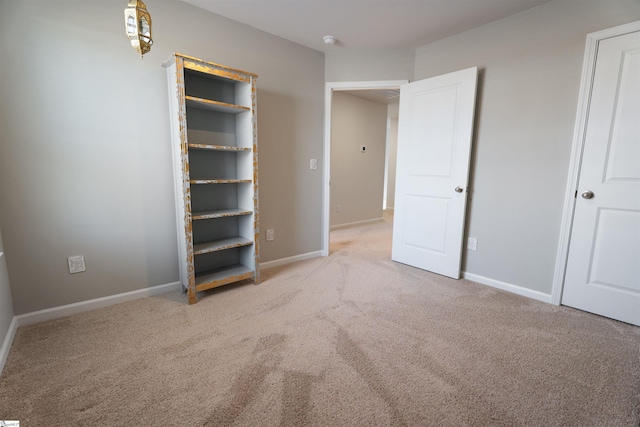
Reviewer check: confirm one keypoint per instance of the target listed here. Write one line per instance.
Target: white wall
(84, 150)
(6, 302)
(6, 306)
(530, 75)
(392, 156)
(357, 178)
(344, 65)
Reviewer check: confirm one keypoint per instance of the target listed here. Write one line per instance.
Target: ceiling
(365, 24)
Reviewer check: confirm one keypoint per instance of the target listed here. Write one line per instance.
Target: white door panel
(603, 267)
(434, 144)
(433, 110)
(613, 229)
(422, 235)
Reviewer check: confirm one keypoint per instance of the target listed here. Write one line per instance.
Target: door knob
(459, 190)
(587, 195)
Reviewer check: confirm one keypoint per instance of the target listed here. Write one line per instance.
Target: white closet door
(603, 268)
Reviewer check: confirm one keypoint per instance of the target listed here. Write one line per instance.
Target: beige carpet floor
(352, 339)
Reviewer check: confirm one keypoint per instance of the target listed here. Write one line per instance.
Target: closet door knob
(459, 190)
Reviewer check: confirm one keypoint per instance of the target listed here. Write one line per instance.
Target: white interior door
(603, 267)
(434, 145)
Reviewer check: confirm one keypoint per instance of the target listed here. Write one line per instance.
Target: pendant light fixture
(137, 22)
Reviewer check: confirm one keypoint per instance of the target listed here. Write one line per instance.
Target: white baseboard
(530, 293)
(8, 340)
(80, 307)
(290, 260)
(352, 224)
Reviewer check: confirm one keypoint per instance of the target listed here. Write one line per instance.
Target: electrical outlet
(313, 164)
(472, 244)
(271, 235)
(338, 208)
(76, 264)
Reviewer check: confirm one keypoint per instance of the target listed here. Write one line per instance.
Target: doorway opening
(360, 89)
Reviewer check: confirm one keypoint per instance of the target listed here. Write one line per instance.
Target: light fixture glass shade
(330, 40)
(137, 23)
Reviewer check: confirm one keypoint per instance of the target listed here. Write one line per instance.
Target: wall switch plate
(271, 235)
(313, 164)
(472, 244)
(76, 264)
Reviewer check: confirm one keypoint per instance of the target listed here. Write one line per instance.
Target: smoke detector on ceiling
(330, 40)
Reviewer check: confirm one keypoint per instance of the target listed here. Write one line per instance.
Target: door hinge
(575, 195)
